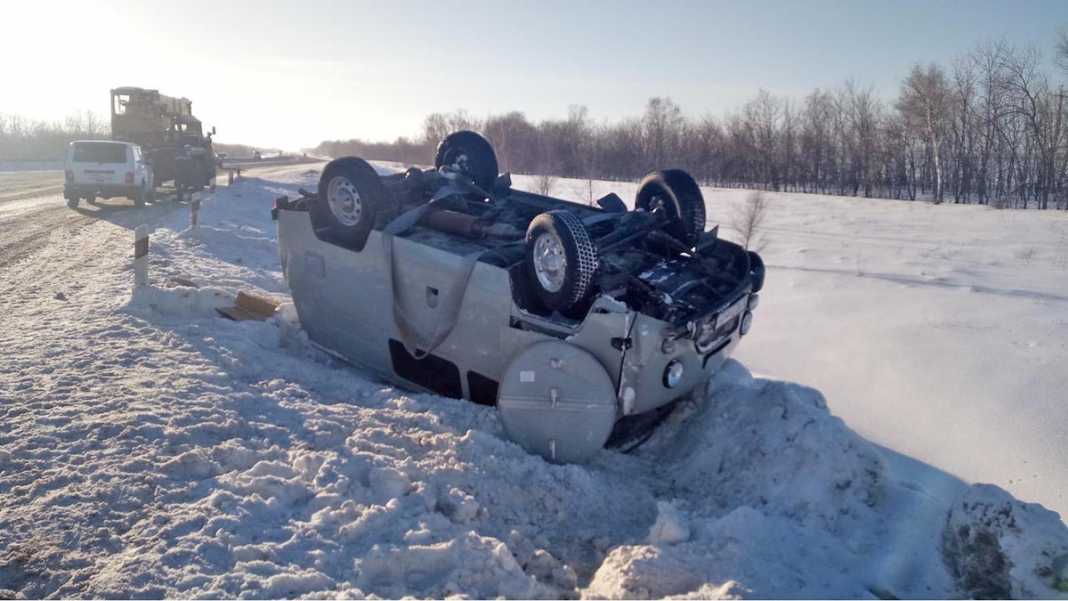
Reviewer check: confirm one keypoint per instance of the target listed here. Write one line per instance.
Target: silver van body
(344, 299)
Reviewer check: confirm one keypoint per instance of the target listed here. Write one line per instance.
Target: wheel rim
(344, 201)
(458, 162)
(550, 262)
(657, 204)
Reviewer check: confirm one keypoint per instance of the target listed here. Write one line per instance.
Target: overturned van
(576, 322)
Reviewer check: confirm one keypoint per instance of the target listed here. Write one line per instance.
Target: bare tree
(749, 220)
(544, 183)
(923, 101)
(1061, 55)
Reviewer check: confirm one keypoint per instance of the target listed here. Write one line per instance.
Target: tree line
(989, 128)
(24, 139)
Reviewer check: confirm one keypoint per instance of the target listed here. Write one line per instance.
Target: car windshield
(99, 152)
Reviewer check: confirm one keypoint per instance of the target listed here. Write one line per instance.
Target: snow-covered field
(151, 448)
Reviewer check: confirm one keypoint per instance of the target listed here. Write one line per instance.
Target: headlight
(706, 335)
(673, 374)
(747, 322)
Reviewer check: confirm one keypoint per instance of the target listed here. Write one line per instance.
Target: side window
(121, 101)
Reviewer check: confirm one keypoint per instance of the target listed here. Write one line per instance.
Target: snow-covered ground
(152, 448)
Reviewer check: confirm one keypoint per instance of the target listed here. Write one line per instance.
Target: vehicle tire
(756, 269)
(676, 193)
(90, 198)
(350, 197)
(139, 198)
(561, 259)
(470, 154)
(72, 202)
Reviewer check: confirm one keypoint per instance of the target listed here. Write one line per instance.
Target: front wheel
(72, 202)
(561, 259)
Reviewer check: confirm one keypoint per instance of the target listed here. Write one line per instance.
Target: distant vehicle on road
(104, 168)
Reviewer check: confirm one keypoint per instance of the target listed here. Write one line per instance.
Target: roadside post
(194, 211)
(141, 256)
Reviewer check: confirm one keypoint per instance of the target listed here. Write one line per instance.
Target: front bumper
(639, 362)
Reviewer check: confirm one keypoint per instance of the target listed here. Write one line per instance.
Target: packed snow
(152, 448)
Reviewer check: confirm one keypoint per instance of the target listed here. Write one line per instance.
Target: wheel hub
(344, 201)
(550, 263)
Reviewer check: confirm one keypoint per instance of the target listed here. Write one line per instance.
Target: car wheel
(90, 198)
(72, 202)
(470, 154)
(675, 193)
(561, 259)
(350, 196)
(139, 198)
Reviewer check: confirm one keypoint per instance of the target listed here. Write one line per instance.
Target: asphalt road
(34, 214)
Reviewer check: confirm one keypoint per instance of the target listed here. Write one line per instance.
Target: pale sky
(290, 74)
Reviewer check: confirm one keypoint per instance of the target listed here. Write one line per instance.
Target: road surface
(33, 214)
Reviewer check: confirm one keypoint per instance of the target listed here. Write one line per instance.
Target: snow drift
(155, 449)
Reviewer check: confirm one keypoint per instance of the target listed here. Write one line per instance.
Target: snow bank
(156, 449)
(999, 547)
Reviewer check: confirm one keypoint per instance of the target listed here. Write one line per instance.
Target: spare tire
(675, 193)
(561, 259)
(470, 154)
(350, 196)
(557, 400)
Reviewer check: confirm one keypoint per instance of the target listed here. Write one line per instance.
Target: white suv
(105, 168)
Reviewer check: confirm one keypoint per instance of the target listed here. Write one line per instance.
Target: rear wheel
(139, 198)
(674, 193)
(72, 202)
(470, 154)
(350, 197)
(561, 260)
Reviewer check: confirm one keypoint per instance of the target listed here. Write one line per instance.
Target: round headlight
(747, 322)
(673, 374)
